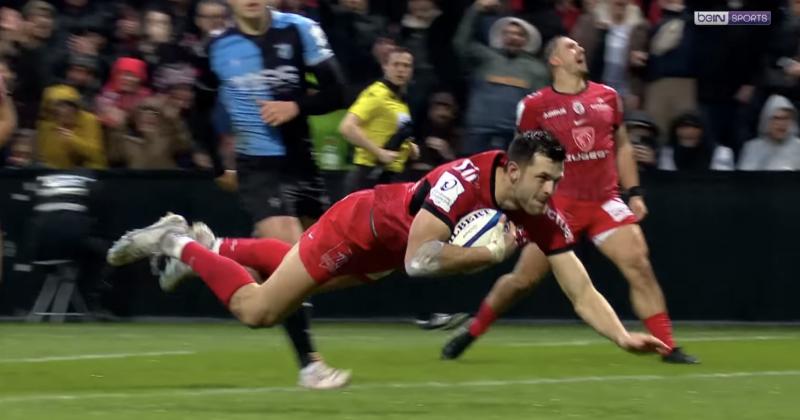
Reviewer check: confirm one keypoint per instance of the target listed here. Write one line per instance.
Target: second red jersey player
(585, 123)
(586, 117)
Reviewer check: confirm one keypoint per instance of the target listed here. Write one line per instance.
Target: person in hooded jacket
(125, 90)
(690, 148)
(68, 136)
(777, 148)
(503, 72)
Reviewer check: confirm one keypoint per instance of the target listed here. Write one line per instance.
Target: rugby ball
(475, 229)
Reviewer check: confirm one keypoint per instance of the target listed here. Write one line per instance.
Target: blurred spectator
(416, 25)
(181, 16)
(76, 16)
(81, 73)
(671, 73)
(727, 75)
(175, 86)
(379, 125)
(778, 147)
(643, 134)
(438, 135)
(782, 69)
(353, 32)
(68, 136)
(614, 35)
(31, 59)
(20, 154)
(569, 13)
(544, 16)
(691, 148)
(503, 72)
(123, 92)
(10, 30)
(127, 32)
(8, 115)
(158, 45)
(211, 15)
(149, 140)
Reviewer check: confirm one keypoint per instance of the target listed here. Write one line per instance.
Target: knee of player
(637, 259)
(258, 319)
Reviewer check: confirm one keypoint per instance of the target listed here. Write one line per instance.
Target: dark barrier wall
(724, 246)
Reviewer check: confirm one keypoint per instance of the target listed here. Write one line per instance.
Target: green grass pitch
(225, 371)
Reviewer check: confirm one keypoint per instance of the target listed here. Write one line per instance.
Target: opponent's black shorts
(273, 186)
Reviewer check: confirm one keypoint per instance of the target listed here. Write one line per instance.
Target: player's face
(249, 9)
(570, 56)
(536, 182)
(399, 68)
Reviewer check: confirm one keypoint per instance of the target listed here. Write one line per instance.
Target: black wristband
(636, 191)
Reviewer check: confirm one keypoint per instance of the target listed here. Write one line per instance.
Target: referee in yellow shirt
(379, 125)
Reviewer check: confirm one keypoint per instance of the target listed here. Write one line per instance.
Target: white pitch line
(680, 339)
(97, 356)
(403, 385)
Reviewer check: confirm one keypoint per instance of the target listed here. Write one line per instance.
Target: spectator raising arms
(503, 73)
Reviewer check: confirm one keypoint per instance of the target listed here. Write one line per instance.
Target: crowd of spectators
(111, 84)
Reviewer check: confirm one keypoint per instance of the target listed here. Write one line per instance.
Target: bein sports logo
(704, 18)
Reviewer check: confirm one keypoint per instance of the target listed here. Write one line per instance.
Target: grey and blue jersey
(248, 69)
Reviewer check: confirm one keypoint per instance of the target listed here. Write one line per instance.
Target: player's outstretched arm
(593, 308)
(429, 254)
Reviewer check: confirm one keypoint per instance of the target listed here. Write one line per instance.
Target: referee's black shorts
(274, 186)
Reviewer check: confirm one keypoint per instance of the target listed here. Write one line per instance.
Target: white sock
(174, 248)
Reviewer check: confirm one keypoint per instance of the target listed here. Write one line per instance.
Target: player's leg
(531, 267)
(305, 199)
(626, 247)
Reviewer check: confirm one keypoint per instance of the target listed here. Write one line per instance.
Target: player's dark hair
(550, 49)
(529, 143)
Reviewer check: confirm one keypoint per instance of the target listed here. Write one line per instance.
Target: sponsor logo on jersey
(446, 191)
(336, 257)
(554, 113)
(617, 209)
(560, 222)
(584, 156)
(284, 51)
(600, 107)
(583, 137)
(279, 78)
(578, 108)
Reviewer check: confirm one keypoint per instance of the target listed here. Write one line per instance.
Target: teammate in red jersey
(372, 232)
(586, 118)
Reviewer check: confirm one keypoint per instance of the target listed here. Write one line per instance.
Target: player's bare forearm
(626, 163)
(588, 303)
(437, 258)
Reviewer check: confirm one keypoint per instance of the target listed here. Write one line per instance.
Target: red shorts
(343, 243)
(595, 219)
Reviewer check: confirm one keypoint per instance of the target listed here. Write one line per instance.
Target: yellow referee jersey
(382, 113)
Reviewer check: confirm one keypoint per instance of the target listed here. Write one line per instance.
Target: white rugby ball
(475, 229)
